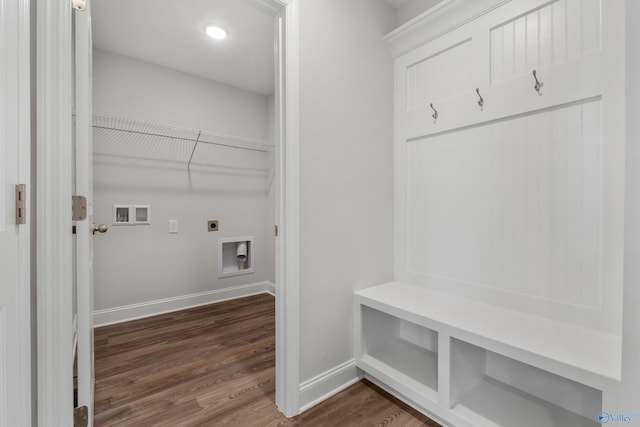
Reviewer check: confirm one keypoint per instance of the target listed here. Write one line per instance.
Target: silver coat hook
(481, 100)
(538, 84)
(435, 113)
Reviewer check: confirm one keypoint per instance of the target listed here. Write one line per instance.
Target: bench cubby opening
(490, 389)
(401, 352)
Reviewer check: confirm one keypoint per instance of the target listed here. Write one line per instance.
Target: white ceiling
(170, 33)
(396, 4)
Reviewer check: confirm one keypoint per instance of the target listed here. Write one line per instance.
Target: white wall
(143, 91)
(270, 216)
(346, 170)
(139, 264)
(630, 401)
(271, 120)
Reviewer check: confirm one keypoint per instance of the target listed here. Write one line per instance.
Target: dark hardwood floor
(215, 366)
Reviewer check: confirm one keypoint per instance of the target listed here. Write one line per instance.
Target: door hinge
(21, 204)
(80, 416)
(275, 231)
(78, 208)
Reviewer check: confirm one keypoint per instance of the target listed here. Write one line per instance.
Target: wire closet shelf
(127, 138)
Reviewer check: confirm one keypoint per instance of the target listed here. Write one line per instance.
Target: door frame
(54, 245)
(84, 229)
(15, 32)
(53, 214)
(287, 89)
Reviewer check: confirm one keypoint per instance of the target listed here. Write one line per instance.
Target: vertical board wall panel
(545, 36)
(530, 221)
(518, 203)
(559, 32)
(3, 368)
(3, 142)
(519, 47)
(574, 192)
(546, 190)
(591, 204)
(532, 42)
(574, 28)
(508, 49)
(512, 205)
(497, 59)
(442, 75)
(591, 26)
(559, 220)
(554, 33)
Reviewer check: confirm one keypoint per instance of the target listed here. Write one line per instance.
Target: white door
(84, 186)
(15, 334)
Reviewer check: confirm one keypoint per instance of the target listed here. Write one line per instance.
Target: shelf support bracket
(194, 149)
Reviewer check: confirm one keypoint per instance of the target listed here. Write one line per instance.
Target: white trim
(17, 38)
(288, 217)
(436, 22)
(126, 313)
(273, 6)
(270, 288)
(108, 159)
(74, 345)
(84, 187)
(54, 215)
(395, 393)
(54, 260)
(25, 70)
(328, 384)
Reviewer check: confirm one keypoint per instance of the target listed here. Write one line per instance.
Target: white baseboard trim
(270, 288)
(327, 384)
(392, 391)
(126, 313)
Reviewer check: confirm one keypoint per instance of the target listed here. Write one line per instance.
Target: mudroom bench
(473, 364)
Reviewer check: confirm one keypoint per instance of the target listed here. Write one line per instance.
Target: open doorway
(55, 154)
(184, 156)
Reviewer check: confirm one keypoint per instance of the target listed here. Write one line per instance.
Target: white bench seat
(583, 355)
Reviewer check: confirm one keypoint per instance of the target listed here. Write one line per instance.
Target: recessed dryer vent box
(235, 256)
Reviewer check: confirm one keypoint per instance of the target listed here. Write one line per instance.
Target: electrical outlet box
(173, 226)
(212, 225)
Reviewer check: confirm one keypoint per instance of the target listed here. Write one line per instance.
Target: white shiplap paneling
(442, 75)
(552, 34)
(512, 205)
(3, 368)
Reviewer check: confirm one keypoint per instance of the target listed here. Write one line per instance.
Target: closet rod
(180, 138)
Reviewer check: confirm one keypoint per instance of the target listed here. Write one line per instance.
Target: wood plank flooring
(215, 366)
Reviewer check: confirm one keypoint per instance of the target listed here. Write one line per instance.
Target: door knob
(99, 228)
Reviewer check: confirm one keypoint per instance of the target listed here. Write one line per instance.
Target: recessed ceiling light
(216, 32)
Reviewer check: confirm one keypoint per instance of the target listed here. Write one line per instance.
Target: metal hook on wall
(481, 100)
(435, 113)
(538, 84)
